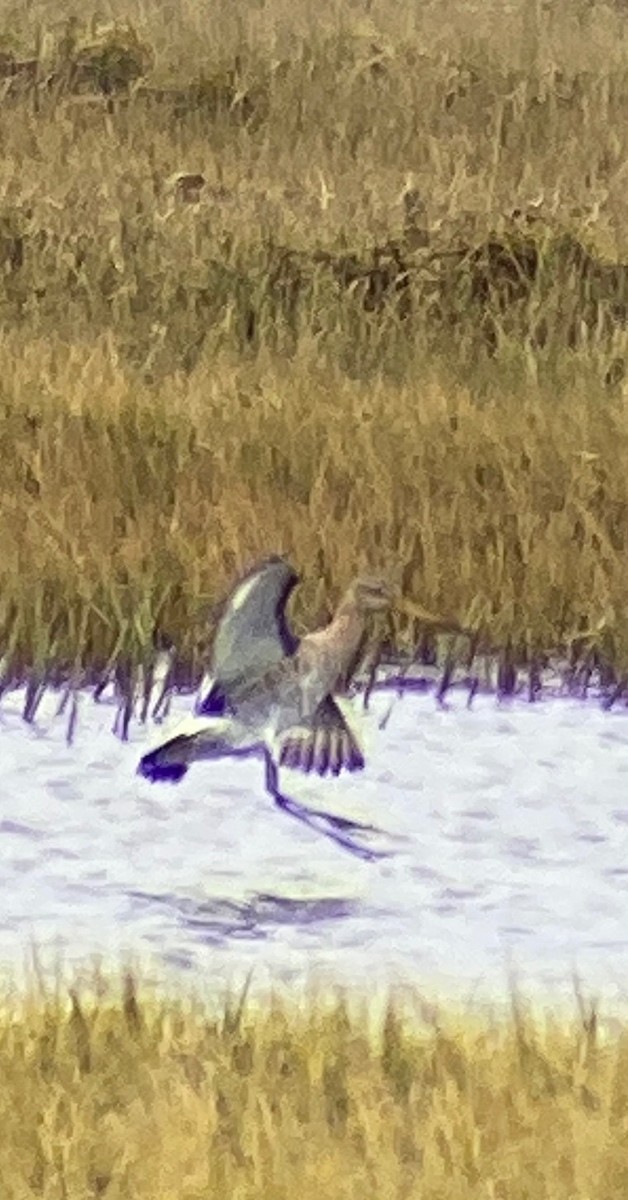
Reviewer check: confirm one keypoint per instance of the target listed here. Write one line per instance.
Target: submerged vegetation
(131, 1097)
(347, 284)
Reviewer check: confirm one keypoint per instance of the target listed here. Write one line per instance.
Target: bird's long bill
(410, 609)
(196, 737)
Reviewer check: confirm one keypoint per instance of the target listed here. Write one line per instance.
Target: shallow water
(511, 822)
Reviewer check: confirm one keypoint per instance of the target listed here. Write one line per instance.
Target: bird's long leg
(344, 824)
(329, 825)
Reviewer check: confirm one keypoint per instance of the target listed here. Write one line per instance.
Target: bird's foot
(336, 828)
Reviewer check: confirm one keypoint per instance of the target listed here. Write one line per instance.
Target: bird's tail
(194, 738)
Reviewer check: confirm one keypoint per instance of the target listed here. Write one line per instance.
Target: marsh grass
(297, 353)
(130, 1096)
(125, 508)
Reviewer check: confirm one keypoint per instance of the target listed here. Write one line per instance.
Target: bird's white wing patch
(191, 727)
(243, 592)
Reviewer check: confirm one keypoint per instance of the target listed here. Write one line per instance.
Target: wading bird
(271, 695)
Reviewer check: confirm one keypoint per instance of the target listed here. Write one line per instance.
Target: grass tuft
(132, 1096)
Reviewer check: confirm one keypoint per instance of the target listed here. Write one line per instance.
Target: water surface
(512, 828)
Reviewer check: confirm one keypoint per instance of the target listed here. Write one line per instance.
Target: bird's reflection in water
(217, 920)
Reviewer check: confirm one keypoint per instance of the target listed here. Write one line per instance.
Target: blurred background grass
(385, 327)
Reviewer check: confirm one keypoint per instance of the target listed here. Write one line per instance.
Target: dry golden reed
(193, 377)
(144, 1099)
(126, 508)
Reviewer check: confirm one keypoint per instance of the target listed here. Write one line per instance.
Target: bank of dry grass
(140, 1098)
(307, 126)
(185, 387)
(125, 509)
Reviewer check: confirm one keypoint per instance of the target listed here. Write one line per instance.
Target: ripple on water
(257, 916)
(26, 831)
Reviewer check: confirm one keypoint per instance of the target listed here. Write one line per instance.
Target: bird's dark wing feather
(323, 743)
(211, 700)
(253, 634)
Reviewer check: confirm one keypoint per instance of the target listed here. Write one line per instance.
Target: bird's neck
(333, 651)
(348, 626)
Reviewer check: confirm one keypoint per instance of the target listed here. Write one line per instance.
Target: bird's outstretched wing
(322, 743)
(253, 634)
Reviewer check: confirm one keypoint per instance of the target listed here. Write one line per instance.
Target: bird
(269, 694)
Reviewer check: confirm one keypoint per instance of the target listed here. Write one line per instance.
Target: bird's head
(372, 594)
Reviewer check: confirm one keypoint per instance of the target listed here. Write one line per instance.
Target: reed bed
(346, 283)
(129, 1096)
(126, 509)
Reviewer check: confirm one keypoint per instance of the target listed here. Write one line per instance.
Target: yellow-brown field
(143, 1099)
(126, 506)
(276, 360)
